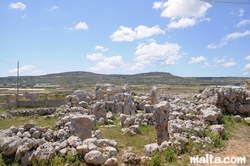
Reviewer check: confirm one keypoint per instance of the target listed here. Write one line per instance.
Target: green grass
(21, 120)
(127, 142)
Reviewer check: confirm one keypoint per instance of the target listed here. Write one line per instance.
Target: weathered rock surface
(94, 157)
(150, 149)
(229, 99)
(82, 126)
(44, 152)
(160, 119)
(131, 158)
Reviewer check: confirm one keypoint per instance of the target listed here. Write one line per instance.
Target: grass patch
(21, 120)
(128, 143)
(229, 125)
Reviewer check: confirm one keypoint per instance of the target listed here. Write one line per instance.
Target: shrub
(155, 160)
(218, 140)
(171, 155)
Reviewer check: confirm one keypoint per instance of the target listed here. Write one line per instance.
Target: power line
(232, 2)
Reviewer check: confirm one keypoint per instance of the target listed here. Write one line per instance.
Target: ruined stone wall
(41, 103)
(32, 104)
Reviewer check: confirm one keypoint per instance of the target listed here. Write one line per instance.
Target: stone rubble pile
(30, 142)
(38, 111)
(106, 97)
(228, 99)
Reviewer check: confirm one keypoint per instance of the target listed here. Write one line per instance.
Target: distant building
(45, 85)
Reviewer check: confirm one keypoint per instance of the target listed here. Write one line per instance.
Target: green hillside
(79, 79)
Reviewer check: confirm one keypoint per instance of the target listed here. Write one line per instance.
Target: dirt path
(238, 146)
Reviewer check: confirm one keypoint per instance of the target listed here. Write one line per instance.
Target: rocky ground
(179, 124)
(237, 146)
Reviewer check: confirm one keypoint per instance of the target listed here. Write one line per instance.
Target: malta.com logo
(210, 159)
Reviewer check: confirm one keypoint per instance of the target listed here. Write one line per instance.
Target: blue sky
(186, 38)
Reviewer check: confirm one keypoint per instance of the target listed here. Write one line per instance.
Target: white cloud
(23, 68)
(216, 60)
(137, 66)
(18, 5)
(144, 31)
(95, 56)
(227, 38)
(79, 26)
(243, 23)
(229, 64)
(140, 32)
(197, 59)
(157, 5)
(109, 63)
(236, 35)
(241, 12)
(123, 34)
(182, 23)
(182, 13)
(247, 57)
(206, 64)
(245, 73)
(153, 53)
(101, 48)
(54, 8)
(247, 67)
(214, 46)
(146, 54)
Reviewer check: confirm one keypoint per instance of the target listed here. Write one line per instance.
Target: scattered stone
(131, 158)
(82, 149)
(111, 162)
(247, 120)
(217, 129)
(94, 157)
(150, 149)
(110, 151)
(237, 118)
(74, 141)
(44, 152)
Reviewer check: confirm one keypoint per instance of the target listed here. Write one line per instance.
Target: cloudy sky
(183, 37)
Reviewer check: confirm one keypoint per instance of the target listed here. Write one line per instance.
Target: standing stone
(82, 126)
(129, 105)
(99, 110)
(160, 119)
(153, 95)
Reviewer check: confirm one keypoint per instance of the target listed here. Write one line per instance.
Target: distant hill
(80, 78)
